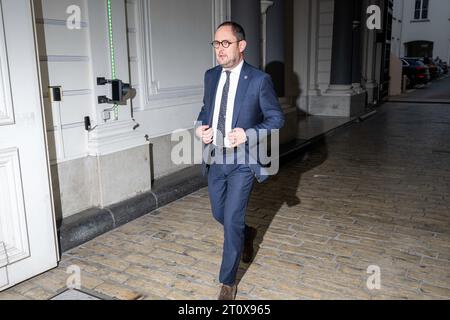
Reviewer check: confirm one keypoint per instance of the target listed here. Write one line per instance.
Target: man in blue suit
(238, 100)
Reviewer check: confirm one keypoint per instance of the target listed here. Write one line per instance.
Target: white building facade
(162, 48)
(71, 163)
(421, 28)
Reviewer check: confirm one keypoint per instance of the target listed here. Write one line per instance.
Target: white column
(313, 89)
(301, 34)
(248, 14)
(265, 5)
(369, 57)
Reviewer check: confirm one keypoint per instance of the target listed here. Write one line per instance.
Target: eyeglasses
(224, 43)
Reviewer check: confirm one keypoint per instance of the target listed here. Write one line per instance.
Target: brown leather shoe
(228, 292)
(247, 253)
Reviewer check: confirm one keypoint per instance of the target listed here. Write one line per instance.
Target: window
(421, 9)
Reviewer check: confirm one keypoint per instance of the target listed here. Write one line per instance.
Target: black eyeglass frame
(216, 44)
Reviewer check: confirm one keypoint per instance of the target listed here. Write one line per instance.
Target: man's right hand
(205, 134)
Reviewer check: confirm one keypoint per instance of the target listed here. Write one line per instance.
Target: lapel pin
(245, 77)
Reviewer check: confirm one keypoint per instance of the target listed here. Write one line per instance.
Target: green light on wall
(112, 53)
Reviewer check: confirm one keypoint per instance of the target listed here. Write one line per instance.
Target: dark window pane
(417, 14)
(425, 5)
(424, 14)
(418, 4)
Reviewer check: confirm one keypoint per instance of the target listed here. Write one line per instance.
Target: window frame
(421, 9)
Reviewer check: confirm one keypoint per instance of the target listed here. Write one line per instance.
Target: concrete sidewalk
(436, 91)
(371, 197)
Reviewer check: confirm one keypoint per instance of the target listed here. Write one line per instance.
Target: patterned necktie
(223, 111)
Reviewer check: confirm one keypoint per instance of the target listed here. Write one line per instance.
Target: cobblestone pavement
(375, 194)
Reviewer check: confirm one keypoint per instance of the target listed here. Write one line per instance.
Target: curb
(86, 225)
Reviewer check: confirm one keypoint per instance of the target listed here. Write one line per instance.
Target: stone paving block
(300, 250)
(397, 293)
(317, 229)
(104, 249)
(356, 272)
(351, 231)
(173, 257)
(118, 292)
(144, 260)
(326, 285)
(12, 296)
(264, 251)
(95, 271)
(444, 256)
(303, 259)
(110, 239)
(150, 297)
(413, 232)
(149, 288)
(283, 239)
(164, 278)
(208, 267)
(347, 277)
(437, 242)
(299, 291)
(436, 291)
(215, 257)
(38, 293)
(24, 287)
(261, 293)
(311, 238)
(202, 290)
(276, 264)
(196, 244)
(432, 275)
(90, 282)
(403, 258)
(133, 228)
(245, 288)
(171, 246)
(141, 249)
(50, 282)
(192, 274)
(176, 294)
(270, 273)
(113, 263)
(269, 244)
(259, 277)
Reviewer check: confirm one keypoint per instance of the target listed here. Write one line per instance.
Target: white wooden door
(28, 244)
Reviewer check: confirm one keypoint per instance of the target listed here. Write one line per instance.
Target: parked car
(445, 66)
(442, 65)
(433, 68)
(415, 70)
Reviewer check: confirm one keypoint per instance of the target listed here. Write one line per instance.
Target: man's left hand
(237, 137)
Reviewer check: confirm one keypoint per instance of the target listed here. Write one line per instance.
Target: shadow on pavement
(281, 190)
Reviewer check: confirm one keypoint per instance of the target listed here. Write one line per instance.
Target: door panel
(27, 229)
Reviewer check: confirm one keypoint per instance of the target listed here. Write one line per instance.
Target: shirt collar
(236, 70)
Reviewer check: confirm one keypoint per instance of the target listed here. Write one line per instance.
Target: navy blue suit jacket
(256, 105)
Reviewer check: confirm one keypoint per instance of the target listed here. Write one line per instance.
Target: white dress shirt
(234, 80)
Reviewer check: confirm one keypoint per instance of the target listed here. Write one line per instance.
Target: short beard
(231, 63)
